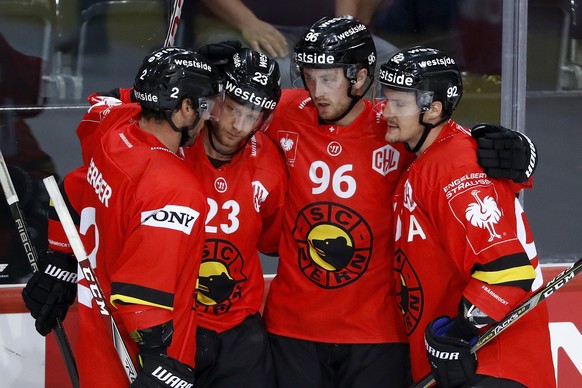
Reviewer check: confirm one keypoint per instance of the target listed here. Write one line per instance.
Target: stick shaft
(525, 307)
(89, 274)
(174, 22)
(32, 256)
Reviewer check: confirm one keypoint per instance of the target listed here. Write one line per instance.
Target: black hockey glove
(116, 93)
(159, 370)
(448, 348)
(220, 53)
(51, 290)
(504, 153)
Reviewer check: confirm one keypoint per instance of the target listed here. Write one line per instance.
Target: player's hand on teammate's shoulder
(504, 153)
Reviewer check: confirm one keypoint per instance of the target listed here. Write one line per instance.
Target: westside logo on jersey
(221, 277)
(334, 244)
(289, 141)
(180, 218)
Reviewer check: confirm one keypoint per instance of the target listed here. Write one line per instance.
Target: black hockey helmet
(431, 73)
(335, 42)
(169, 75)
(253, 79)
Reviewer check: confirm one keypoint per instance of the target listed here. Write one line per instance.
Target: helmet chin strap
(355, 100)
(183, 130)
(425, 132)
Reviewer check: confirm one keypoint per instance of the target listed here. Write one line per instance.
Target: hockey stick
(518, 312)
(174, 21)
(31, 254)
(85, 264)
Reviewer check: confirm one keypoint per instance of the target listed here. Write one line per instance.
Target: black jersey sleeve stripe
(127, 293)
(513, 270)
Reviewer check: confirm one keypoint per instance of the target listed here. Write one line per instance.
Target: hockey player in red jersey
(464, 254)
(246, 181)
(331, 311)
(135, 191)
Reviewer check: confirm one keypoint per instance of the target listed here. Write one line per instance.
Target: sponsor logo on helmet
(312, 58)
(145, 96)
(262, 102)
(163, 52)
(192, 63)
(263, 61)
(395, 78)
(351, 31)
(331, 22)
(417, 50)
(444, 61)
(236, 60)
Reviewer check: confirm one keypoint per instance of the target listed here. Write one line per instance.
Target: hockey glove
(51, 290)
(504, 153)
(448, 348)
(220, 53)
(159, 370)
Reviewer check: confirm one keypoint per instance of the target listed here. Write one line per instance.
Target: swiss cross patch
(477, 210)
(385, 159)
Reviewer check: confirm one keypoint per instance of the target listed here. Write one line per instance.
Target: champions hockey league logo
(334, 244)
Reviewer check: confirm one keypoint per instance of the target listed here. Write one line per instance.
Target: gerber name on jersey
(180, 218)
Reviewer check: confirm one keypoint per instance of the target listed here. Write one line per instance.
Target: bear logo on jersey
(221, 277)
(335, 244)
(408, 291)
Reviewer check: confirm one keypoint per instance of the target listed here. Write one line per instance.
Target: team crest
(221, 277)
(408, 292)
(477, 210)
(289, 141)
(335, 244)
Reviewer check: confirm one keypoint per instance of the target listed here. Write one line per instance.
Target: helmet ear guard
(424, 100)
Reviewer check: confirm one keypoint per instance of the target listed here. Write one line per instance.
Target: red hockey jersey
(142, 208)
(334, 281)
(460, 233)
(246, 198)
